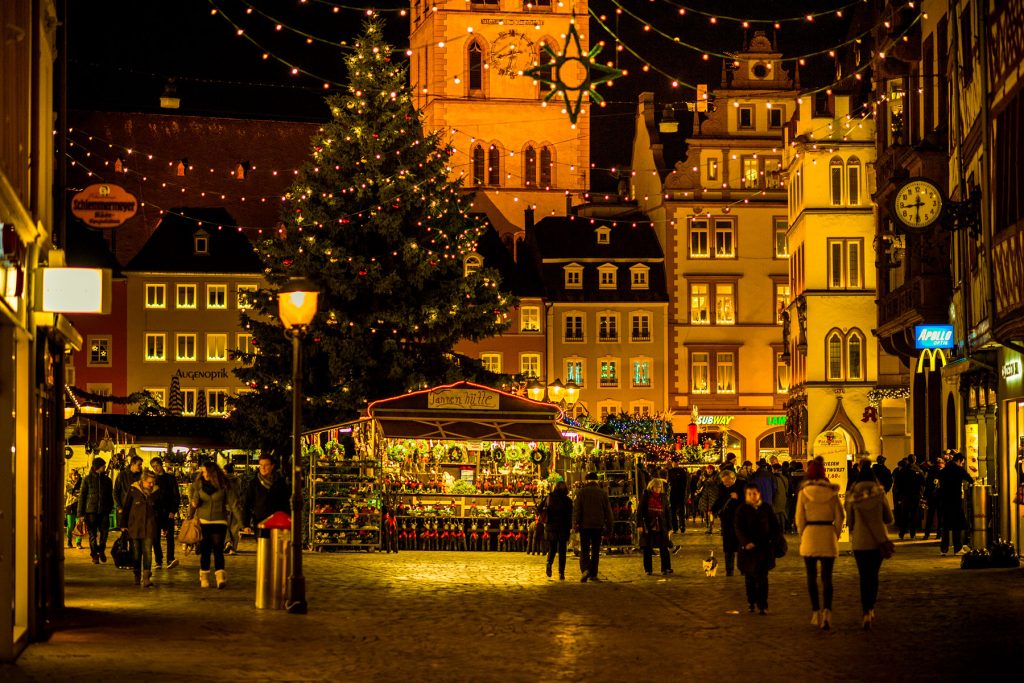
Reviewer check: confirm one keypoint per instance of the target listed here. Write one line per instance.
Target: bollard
(979, 507)
(273, 561)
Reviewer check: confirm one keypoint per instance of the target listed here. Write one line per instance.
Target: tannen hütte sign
(462, 399)
(104, 205)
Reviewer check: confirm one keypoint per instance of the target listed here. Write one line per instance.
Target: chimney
(528, 219)
(568, 204)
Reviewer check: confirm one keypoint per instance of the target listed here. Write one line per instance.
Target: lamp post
(297, 302)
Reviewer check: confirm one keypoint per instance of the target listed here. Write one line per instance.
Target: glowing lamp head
(297, 303)
(556, 390)
(535, 390)
(572, 392)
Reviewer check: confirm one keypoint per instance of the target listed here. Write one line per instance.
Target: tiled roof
(171, 248)
(87, 248)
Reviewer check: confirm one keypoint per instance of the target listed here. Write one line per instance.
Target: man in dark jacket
(907, 484)
(124, 484)
(763, 478)
(882, 473)
(167, 509)
(951, 502)
(592, 516)
(266, 494)
(94, 504)
(678, 491)
(931, 495)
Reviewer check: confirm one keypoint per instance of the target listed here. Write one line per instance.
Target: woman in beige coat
(819, 521)
(869, 516)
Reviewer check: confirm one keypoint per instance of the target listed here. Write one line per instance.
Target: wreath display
(456, 454)
(538, 457)
(498, 456)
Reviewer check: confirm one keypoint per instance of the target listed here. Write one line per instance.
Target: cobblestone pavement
(437, 616)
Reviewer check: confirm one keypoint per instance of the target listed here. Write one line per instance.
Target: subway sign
(933, 336)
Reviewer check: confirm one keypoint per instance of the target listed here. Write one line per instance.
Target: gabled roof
(520, 277)
(562, 240)
(171, 247)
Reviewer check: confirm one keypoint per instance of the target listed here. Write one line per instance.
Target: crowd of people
(144, 505)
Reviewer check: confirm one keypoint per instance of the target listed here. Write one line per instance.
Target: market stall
(455, 467)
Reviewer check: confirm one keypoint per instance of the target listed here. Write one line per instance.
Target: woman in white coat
(819, 521)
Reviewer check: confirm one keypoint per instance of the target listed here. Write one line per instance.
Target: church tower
(466, 70)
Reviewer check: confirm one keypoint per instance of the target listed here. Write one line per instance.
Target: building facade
(720, 208)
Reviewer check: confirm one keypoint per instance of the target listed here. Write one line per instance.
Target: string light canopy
(572, 73)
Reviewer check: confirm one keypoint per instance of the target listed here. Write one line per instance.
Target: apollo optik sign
(933, 336)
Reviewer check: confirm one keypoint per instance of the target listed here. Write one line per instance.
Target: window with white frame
(699, 238)
(745, 117)
(751, 169)
(243, 344)
(699, 304)
(641, 372)
(188, 401)
(604, 234)
(186, 296)
(781, 300)
(608, 327)
(641, 408)
(246, 296)
(159, 395)
(781, 374)
(609, 372)
(575, 371)
(608, 408)
(529, 319)
(639, 276)
(845, 264)
(491, 362)
(216, 296)
(640, 327)
(781, 241)
(217, 401)
(156, 295)
(529, 365)
(216, 347)
(99, 351)
(573, 327)
(156, 346)
(853, 181)
(574, 276)
(725, 372)
(725, 239)
(725, 303)
(606, 276)
(700, 372)
(185, 346)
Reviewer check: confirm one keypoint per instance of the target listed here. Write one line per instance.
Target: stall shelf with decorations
(454, 467)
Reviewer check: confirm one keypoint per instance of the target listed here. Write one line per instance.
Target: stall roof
(466, 411)
(194, 432)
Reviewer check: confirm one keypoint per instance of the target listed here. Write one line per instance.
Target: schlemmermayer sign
(462, 399)
(104, 205)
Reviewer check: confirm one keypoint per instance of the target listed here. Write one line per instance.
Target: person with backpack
(556, 511)
(95, 504)
(142, 512)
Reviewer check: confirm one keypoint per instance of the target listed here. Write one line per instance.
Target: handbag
(887, 548)
(190, 532)
(780, 546)
(80, 529)
(121, 551)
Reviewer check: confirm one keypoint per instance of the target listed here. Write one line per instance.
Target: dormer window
(604, 235)
(471, 264)
(201, 243)
(638, 276)
(574, 276)
(606, 276)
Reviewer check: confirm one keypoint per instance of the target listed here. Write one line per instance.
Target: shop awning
(466, 412)
(191, 432)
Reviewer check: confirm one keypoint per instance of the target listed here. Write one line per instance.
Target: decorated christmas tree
(375, 221)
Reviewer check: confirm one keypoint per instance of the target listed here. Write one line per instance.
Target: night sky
(122, 52)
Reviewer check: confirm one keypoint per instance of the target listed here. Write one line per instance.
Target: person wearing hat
(951, 502)
(882, 474)
(592, 516)
(819, 521)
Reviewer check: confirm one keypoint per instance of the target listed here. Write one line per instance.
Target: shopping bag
(121, 552)
(80, 529)
(190, 532)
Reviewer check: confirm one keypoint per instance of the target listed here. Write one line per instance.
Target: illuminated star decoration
(572, 73)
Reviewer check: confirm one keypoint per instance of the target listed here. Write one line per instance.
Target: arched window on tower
(546, 167)
(835, 181)
(479, 166)
(529, 166)
(854, 356)
(853, 181)
(476, 66)
(494, 166)
(834, 362)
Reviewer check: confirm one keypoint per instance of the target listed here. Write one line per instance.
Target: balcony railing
(927, 297)
(641, 337)
(573, 336)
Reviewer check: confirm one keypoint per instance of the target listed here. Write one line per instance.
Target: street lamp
(555, 391)
(297, 302)
(535, 389)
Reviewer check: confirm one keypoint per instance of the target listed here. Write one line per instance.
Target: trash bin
(272, 561)
(979, 508)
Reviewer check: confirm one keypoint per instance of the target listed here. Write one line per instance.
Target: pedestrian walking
(592, 516)
(869, 514)
(780, 494)
(556, 510)
(72, 492)
(882, 474)
(122, 485)
(266, 494)
(908, 483)
(652, 515)
(763, 478)
(819, 521)
(212, 501)
(730, 498)
(756, 530)
(707, 494)
(235, 521)
(678, 491)
(796, 479)
(95, 504)
(142, 512)
(168, 504)
(933, 515)
(952, 479)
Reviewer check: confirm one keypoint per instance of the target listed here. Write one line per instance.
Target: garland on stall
(147, 403)
(879, 393)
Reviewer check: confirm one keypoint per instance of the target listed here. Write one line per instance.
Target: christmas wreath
(68, 453)
(498, 456)
(456, 454)
(538, 457)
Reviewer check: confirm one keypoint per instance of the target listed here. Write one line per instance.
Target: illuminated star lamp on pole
(575, 72)
(297, 304)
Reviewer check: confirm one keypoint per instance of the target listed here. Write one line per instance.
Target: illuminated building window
(216, 296)
(529, 365)
(156, 296)
(491, 362)
(574, 371)
(156, 349)
(546, 167)
(641, 372)
(699, 238)
(781, 375)
(188, 402)
(217, 401)
(479, 165)
(246, 296)
(845, 263)
(244, 345)
(529, 319)
(99, 351)
(186, 296)
(781, 241)
(217, 347)
(700, 373)
(781, 301)
(725, 372)
(185, 347)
